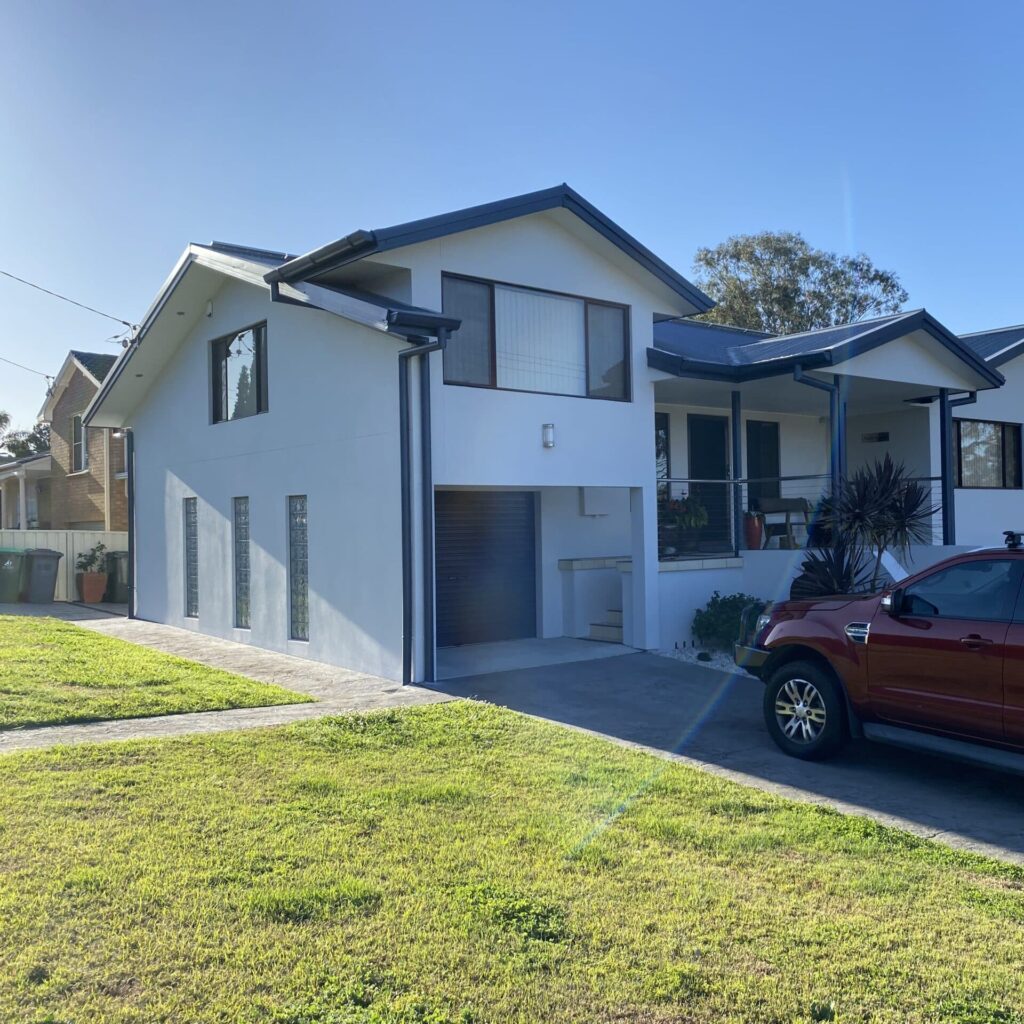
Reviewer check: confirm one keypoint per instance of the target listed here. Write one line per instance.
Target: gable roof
(998, 346)
(745, 355)
(96, 364)
(359, 244)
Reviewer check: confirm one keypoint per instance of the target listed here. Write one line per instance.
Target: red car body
(941, 653)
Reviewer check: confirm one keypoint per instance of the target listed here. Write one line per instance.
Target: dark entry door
(708, 447)
(762, 461)
(486, 572)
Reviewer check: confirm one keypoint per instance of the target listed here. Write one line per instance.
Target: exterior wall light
(547, 435)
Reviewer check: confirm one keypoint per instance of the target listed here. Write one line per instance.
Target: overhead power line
(64, 298)
(39, 373)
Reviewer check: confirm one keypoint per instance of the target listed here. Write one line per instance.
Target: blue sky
(130, 129)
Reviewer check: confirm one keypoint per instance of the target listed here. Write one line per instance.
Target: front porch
(747, 467)
(25, 493)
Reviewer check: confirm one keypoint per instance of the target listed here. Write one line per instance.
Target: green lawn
(53, 673)
(460, 862)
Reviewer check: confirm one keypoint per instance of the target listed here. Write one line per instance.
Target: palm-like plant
(841, 568)
(882, 507)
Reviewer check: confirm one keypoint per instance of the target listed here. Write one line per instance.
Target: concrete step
(608, 633)
(613, 617)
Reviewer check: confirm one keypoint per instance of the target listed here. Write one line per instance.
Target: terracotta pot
(91, 586)
(753, 532)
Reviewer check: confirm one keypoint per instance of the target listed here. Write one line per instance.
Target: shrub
(717, 624)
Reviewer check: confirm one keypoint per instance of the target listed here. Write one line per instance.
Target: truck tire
(804, 711)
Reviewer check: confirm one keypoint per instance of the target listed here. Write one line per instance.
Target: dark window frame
(587, 301)
(1003, 425)
(259, 330)
(79, 447)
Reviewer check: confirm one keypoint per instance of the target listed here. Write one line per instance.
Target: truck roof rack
(1013, 538)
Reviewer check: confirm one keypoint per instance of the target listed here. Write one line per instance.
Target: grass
(462, 863)
(53, 673)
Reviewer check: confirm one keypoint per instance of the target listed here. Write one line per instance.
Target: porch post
(641, 609)
(737, 474)
(840, 426)
(946, 467)
(22, 501)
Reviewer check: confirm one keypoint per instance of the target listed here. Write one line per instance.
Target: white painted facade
(332, 433)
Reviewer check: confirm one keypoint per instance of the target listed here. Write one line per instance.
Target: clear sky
(128, 129)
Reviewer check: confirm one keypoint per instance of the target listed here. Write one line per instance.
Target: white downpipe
(891, 565)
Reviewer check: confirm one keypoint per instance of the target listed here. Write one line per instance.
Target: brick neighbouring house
(81, 485)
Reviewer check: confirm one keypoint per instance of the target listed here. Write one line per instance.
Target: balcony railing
(700, 518)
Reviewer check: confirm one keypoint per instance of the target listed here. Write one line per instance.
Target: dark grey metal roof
(742, 357)
(998, 346)
(359, 244)
(269, 257)
(97, 363)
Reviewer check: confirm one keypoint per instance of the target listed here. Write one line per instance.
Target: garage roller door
(486, 573)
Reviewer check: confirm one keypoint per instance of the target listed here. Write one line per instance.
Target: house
(491, 425)
(80, 484)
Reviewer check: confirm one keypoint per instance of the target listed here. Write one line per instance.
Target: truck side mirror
(892, 602)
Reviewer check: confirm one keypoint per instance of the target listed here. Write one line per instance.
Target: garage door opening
(486, 573)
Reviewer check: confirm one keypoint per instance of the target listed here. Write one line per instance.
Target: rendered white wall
(982, 515)
(331, 433)
(909, 440)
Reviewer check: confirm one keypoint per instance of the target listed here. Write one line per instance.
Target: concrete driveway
(713, 719)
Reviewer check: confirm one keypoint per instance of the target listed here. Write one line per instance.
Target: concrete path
(336, 690)
(712, 719)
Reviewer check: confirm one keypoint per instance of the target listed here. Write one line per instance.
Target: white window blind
(540, 342)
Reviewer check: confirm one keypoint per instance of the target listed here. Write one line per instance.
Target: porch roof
(30, 465)
(689, 349)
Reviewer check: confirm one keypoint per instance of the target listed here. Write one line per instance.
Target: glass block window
(191, 558)
(298, 567)
(241, 531)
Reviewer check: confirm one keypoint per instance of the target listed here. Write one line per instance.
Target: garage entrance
(485, 566)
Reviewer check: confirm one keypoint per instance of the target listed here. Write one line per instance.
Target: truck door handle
(974, 641)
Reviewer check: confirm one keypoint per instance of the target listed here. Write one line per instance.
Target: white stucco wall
(982, 515)
(331, 433)
(909, 440)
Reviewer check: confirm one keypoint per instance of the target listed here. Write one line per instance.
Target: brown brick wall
(78, 497)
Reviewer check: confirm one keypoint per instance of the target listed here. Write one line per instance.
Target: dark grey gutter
(948, 478)
(418, 326)
(836, 420)
(129, 458)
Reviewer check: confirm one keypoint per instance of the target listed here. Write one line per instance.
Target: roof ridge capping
(359, 244)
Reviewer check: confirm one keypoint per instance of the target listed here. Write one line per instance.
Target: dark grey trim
(735, 426)
(129, 458)
(945, 746)
(362, 243)
(420, 347)
(947, 466)
(680, 366)
(836, 421)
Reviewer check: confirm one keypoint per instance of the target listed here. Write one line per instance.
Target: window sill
(79, 472)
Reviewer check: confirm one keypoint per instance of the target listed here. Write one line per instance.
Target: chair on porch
(782, 528)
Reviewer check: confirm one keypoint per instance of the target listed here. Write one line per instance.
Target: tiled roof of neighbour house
(998, 346)
(358, 244)
(97, 363)
(746, 356)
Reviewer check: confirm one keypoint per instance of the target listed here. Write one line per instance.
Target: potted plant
(753, 530)
(91, 580)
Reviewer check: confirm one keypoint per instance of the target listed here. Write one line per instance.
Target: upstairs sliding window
(240, 374)
(520, 339)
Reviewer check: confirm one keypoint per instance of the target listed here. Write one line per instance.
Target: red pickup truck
(936, 663)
